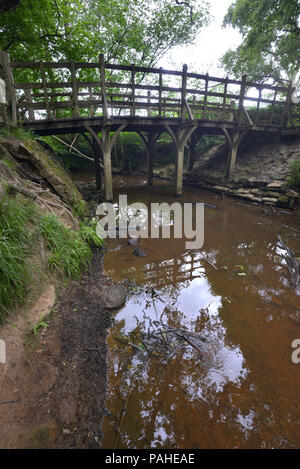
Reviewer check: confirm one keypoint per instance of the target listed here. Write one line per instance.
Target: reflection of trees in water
(183, 403)
(161, 400)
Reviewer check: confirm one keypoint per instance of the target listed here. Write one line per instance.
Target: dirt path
(52, 393)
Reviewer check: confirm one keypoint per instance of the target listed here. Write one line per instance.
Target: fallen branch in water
(164, 341)
(290, 228)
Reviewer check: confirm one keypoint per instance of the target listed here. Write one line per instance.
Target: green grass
(21, 223)
(294, 180)
(16, 241)
(70, 250)
(79, 209)
(87, 232)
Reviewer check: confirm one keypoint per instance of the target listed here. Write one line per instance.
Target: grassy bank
(22, 228)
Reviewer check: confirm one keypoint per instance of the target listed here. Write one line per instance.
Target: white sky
(212, 42)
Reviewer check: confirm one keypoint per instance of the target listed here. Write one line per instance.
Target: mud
(53, 394)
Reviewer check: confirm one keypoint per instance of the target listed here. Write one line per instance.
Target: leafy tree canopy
(271, 39)
(126, 31)
(7, 5)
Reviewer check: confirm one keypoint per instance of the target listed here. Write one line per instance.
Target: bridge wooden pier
(101, 100)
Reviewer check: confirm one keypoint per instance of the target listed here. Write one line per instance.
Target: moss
(283, 201)
(45, 162)
(50, 168)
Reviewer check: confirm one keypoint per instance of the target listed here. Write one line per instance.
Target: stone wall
(275, 193)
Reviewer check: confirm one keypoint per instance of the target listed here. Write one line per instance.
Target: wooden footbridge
(101, 100)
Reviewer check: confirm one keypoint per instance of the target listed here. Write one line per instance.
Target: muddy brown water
(243, 390)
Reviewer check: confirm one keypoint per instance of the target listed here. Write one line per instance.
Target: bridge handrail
(105, 94)
(108, 66)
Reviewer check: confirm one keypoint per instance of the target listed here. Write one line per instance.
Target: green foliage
(17, 132)
(70, 159)
(129, 150)
(209, 141)
(87, 232)
(294, 180)
(79, 209)
(69, 252)
(40, 324)
(139, 31)
(20, 224)
(16, 241)
(271, 39)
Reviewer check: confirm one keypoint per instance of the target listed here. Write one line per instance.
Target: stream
(242, 390)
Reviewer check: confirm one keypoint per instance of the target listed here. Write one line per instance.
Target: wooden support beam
(191, 117)
(106, 143)
(247, 115)
(233, 140)
(195, 137)
(180, 136)
(98, 173)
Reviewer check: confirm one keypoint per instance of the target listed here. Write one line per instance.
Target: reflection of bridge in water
(178, 270)
(100, 100)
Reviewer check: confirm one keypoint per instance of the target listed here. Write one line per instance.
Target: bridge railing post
(103, 87)
(132, 109)
(74, 90)
(224, 97)
(241, 100)
(183, 91)
(160, 93)
(6, 74)
(285, 114)
(45, 89)
(231, 110)
(29, 104)
(258, 105)
(273, 107)
(149, 103)
(205, 96)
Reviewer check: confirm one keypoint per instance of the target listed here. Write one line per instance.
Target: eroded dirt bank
(53, 387)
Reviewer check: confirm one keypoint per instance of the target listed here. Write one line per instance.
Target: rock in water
(112, 296)
(133, 242)
(138, 252)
